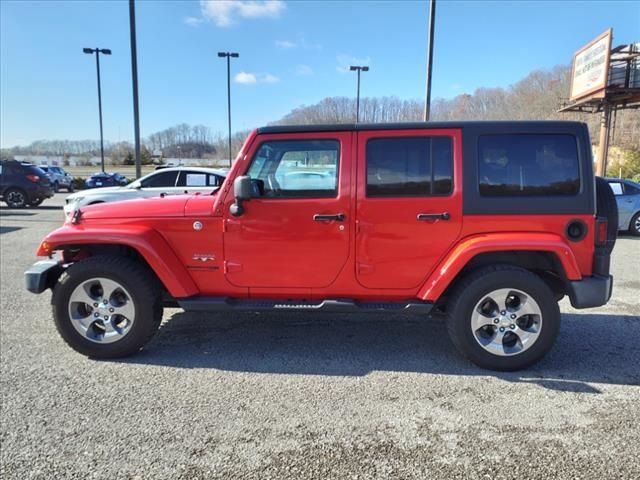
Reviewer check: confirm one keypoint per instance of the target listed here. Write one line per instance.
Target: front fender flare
(459, 256)
(146, 241)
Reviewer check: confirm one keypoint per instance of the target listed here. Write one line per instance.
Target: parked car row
(169, 181)
(24, 184)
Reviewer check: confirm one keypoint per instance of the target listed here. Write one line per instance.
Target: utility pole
(98, 51)
(229, 56)
(432, 20)
(134, 81)
(603, 147)
(355, 68)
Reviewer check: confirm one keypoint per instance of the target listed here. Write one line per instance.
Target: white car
(170, 181)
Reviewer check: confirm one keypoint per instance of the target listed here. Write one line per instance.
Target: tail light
(33, 178)
(602, 227)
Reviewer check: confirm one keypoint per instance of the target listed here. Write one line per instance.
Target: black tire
(56, 187)
(15, 198)
(140, 284)
(36, 202)
(607, 207)
(71, 188)
(634, 225)
(478, 284)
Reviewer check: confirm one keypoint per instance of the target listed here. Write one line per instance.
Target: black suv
(23, 184)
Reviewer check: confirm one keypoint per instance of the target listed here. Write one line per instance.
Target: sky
(291, 54)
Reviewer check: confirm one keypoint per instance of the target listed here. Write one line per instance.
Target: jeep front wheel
(503, 318)
(106, 307)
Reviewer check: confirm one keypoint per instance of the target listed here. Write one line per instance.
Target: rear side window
(528, 165)
(409, 166)
(616, 187)
(197, 179)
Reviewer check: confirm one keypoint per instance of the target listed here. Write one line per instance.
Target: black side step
(218, 304)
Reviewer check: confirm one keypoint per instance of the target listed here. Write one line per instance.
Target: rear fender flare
(465, 250)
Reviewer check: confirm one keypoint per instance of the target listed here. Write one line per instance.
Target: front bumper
(591, 291)
(42, 275)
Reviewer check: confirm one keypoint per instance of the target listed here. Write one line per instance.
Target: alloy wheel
(506, 322)
(101, 310)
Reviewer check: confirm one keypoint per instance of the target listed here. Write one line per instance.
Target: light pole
(134, 81)
(355, 68)
(179, 156)
(98, 51)
(229, 56)
(432, 20)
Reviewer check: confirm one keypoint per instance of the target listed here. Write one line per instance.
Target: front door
(294, 232)
(409, 204)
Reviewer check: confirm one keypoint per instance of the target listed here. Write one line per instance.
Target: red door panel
(394, 248)
(276, 242)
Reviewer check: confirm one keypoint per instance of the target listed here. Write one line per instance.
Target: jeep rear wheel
(106, 307)
(503, 318)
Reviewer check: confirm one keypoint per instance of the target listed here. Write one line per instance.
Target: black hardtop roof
(347, 127)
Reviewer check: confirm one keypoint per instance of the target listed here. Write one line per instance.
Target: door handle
(433, 216)
(319, 217)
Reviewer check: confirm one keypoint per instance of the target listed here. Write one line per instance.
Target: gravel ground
(312, 396)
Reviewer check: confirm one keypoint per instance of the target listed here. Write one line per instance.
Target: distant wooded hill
(536, 97)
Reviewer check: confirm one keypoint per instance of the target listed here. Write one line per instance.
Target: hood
(155, 207)
(95, 191)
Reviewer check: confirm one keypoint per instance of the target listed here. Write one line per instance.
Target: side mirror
(242, 193)
(242, 188)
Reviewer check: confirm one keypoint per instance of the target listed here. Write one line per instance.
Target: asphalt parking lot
(312, 396)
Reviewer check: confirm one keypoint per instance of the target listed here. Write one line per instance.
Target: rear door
(409, 204)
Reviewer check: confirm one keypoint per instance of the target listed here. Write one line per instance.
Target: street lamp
(98, 51)
(359, 69)
(229, 56)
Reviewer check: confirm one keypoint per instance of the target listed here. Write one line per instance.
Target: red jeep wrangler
(489, 222)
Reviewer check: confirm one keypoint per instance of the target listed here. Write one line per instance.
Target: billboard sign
(591, 68)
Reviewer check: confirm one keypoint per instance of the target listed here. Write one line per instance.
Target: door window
(409, 166)
(297, 168)
(159, 180)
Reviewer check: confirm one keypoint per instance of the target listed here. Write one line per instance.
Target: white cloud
(248, 78)
(268, 78)
(299, 43)
(193, 21)
(224, 12)
(285, 44)
(303, 70)
(345, 61)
